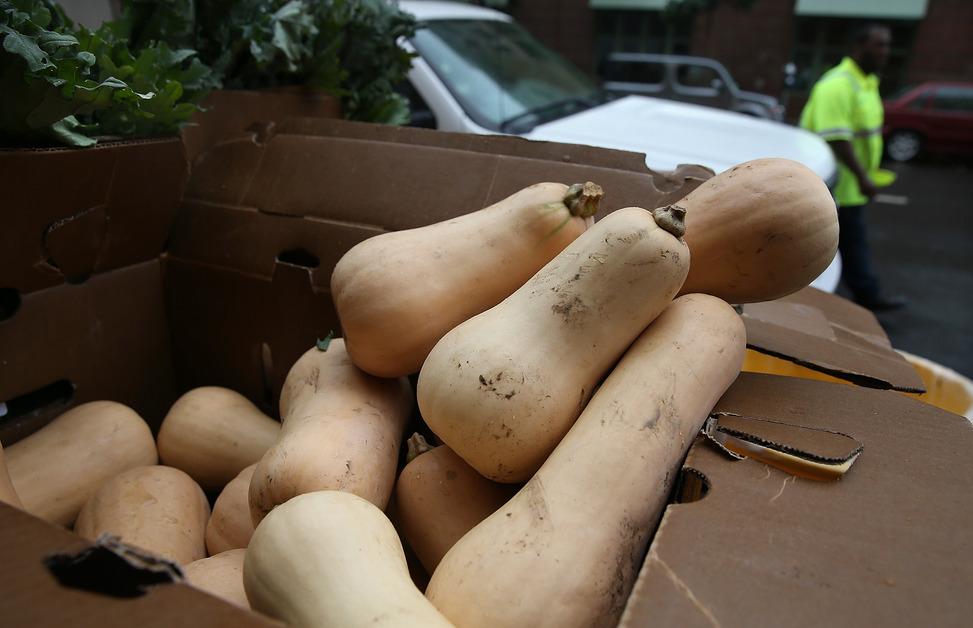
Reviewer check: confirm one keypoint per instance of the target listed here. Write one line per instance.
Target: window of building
(634, 72)
(641, 31)
(821, 42)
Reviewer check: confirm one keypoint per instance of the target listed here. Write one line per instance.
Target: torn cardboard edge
(813, 453)
(829, 334)
(229, 112)
(112, 567)
(33, 596)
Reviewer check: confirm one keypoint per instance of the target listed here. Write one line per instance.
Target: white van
(478, 71)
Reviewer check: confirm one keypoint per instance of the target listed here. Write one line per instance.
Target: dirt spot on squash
(651, 420)
(673, 255)
(630, 548)
(312, 378)
(490, 385)
(537, 503)
(571, 309)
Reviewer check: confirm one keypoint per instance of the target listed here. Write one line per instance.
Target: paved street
(921, 232)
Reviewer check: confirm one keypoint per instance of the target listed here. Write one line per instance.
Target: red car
(934, 117)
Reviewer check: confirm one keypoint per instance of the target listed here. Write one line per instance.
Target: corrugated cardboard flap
(71, 213)
(830, 334)
(33, 597)
(107, 338)
(887, 545)
(511, 146)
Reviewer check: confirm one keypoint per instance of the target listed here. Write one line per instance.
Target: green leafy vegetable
(64, 83)
(345, 47)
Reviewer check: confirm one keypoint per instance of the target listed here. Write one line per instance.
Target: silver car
(697, 80)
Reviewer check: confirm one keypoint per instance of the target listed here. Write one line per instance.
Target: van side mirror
(718, 85)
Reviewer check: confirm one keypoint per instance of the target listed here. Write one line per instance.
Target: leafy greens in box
(63, 83)
(347, 48)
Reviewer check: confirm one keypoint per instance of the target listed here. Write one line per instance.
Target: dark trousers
(856, 261)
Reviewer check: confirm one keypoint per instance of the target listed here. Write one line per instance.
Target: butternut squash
(396, 294)
(220, 575)
(565, 550)
(330, 558)
(502, 388)
(341, 430)
(212, 433)
(229, 526)
(759, 231)
(159, 509)
(7, 492)
(439, 498)
(58, 467)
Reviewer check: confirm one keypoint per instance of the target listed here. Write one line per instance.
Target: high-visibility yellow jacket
(845, 105)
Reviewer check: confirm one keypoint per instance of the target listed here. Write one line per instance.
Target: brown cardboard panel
(397, 185)
(114, 203)
(827, 333)
(231, 112)
(887, 545)
(33, 597)
(251, 241)
(108, 337)
(243, 331)
(495, 145)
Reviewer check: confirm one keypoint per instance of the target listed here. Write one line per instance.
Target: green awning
(883, 9)
(653, 5)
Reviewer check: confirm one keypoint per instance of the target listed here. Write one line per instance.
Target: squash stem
(672, 218)
(417, 445)
(583, 198)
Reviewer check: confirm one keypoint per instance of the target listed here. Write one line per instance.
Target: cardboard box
(241, 289)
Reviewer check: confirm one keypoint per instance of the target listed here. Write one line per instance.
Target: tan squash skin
(759, 231)
(564, 552)
(439, 498)
(220, 575)
(396, 294)
(212, 433)
(57, 468)
(504, 387)
(230, 527)
(7, 492)
(330, 558)
(341, 431)
(159, 509)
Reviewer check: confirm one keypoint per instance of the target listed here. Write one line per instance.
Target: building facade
(757, 39)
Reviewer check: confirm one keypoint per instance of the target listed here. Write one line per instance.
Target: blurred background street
(922, 241)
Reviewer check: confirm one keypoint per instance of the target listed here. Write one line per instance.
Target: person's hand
(867, 186)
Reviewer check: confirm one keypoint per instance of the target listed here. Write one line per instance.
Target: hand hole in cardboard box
(691, 486)
(9, 303)
(39, 401)
(299, 257)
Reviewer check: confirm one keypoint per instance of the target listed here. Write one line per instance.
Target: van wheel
(904, 145)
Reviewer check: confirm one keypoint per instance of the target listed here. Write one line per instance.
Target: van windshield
(503, 78)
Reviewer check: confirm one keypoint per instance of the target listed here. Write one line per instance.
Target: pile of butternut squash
(564, 368)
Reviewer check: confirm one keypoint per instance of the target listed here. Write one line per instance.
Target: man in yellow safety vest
(845, 109)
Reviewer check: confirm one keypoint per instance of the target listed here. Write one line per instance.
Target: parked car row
(478, 71)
